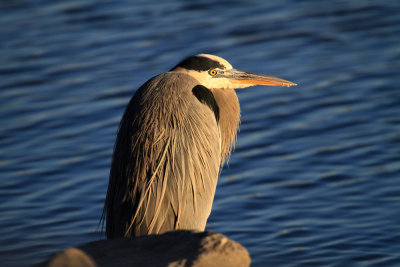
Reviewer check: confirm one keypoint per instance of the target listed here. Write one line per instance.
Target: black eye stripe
(199, 64)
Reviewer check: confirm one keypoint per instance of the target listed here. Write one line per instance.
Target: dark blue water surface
(315, 177)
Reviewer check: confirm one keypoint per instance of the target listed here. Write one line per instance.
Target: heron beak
(244, 78)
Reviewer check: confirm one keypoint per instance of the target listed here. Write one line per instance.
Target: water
(314, 179)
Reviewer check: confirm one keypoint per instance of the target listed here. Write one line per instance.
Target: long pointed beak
(245, 78)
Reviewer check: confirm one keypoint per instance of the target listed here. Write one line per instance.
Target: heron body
(174, 136)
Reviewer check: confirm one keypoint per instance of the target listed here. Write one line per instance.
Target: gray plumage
(168, 153)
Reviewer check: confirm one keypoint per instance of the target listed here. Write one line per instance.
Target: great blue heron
(175, 134)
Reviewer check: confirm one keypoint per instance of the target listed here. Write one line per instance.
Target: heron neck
(229, 111)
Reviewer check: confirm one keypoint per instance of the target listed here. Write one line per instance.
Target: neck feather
(229, 109)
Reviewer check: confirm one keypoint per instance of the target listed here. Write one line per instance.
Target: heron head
(215, 72)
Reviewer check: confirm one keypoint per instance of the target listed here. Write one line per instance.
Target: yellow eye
(212, 72)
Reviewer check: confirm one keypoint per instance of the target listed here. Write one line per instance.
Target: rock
(178, 248)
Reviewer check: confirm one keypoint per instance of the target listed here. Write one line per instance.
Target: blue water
(315, 177)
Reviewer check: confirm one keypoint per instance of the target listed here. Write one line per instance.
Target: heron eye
(212, 72)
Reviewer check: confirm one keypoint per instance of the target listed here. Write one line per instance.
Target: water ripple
(313, 179)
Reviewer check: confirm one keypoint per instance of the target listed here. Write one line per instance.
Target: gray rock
(179, 248)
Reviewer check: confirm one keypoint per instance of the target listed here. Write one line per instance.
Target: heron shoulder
(177, 81)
